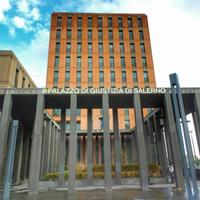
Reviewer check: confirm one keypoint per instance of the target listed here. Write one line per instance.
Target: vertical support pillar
(89, 148)
(106, 138)
(52, 147)
(147, 142)
(36, 146)
(141, 144)
(49, 145)
(170, 123)
(61, 150)
(117, 147)
(4, 127)
(72, 144)
(134, 147)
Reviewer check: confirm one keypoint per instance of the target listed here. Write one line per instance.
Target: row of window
(100, 21)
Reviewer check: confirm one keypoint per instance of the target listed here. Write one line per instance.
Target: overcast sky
(174, 30)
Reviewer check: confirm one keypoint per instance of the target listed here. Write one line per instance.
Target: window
(101, 76)
(100, 48)
(135, 79)
(89, 76)
(112, 76)
(67, 76)
(67, 63)
(100, 21)
(119, 22)
(89, 21)
(79, 21)
(100, 35)
(109, 22)
(112, 63)
(123, 76)
(59, 21)
(67, 126)
(23, 82)
(89, 64)
(129, 22)
(69, 22)
(78, 77)
(142, 48)
(110, 35)
(69, 34)
(89, 35)
(78, 126)
(111, 48)
(16, 77)
(56, 62)
(58, 35)
(56, 112)
(90, 49)
(133, 62)
(141, 35)
(68, 48)
(131, 35)
(57, 48)
(144, 62)
(123, 66)
(121, 35)
(132, 47)
(121, 48)
(79, 63)
(101, 63)
(79, 48)
(55, 78)
(139, 22)
(79, 34)
(127, 124)
(146, 77)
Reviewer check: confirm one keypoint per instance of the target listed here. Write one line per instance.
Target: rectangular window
(112, 64)
(79, 64)
(23, 82)
(112, 76)
(79, 48)
(101, 63)
(79, 35)
(59, 21)
(146, 77)
(16, 77)
(89, 21)
(89, 35)
(57, 48)
(58, 35)
(100, 48)
(131, 35)
(111, 49)
(139, 22)
(129, 22)
(100, 21)
(67, 76)
(68, 48)
(67, 63)
(90, 49)
(89, 76)
(79, 21)
(89, 63)
(56, 62)
(78, 77)
(141, 35)
(78, 126)
(144, 62)
(110, 22)
(123, 76)
(132, 47)
(142, 48)
(69, 22)
(135, 79)
(101, 76)
(119, 22)
(121, 48)
(110, 35)
(100, 35)
(123, 66)
(133, 62)
(69, 33)
(121, 35)
(55, 78)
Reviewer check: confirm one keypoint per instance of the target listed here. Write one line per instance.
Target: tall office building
(100, 51)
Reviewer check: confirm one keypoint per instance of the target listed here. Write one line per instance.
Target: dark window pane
(123, 66)
(100, 48)
(135, 79)
(101, 76)
(112, 76)
(142, 48)
(78, 76)
(110, 35)
(100, 22)
(110, 22)
(100, 35)
(133, 62)
(132, 48)
(79, 63)
(121, 35)
(144, 62)
(119, 22)
(67, 63)
(79, 48)
(111, 48)
(129, 22)
(57, 48)
(67, 76)
(69, 22)
(139, 22)
(58, 35)
(112, 63)
(89, 64)
(89, 21)
(89, 35)
(101, 63)
(69, 34)
(55, 79)
(121, 48)
(59, 21)
(79, 34)
(89, 76)
(146, 77)
(90, 49)
(123, 76)
(131, 35)
(141, 35)
(79, 21)
(68, 48)
(56, 62)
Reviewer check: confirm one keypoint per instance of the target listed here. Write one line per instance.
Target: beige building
(12, 73)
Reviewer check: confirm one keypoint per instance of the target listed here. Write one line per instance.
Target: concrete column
(52, 148)
(89, 148)
(61, 150)
(55, 150)
(170, 123)
(4, 128)
(196, 117)
(49, 146)
(36, 146)
(147, 142)
(106, 138)
(141, 144)
(72, 144)
(134, 148)
(117, 147)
